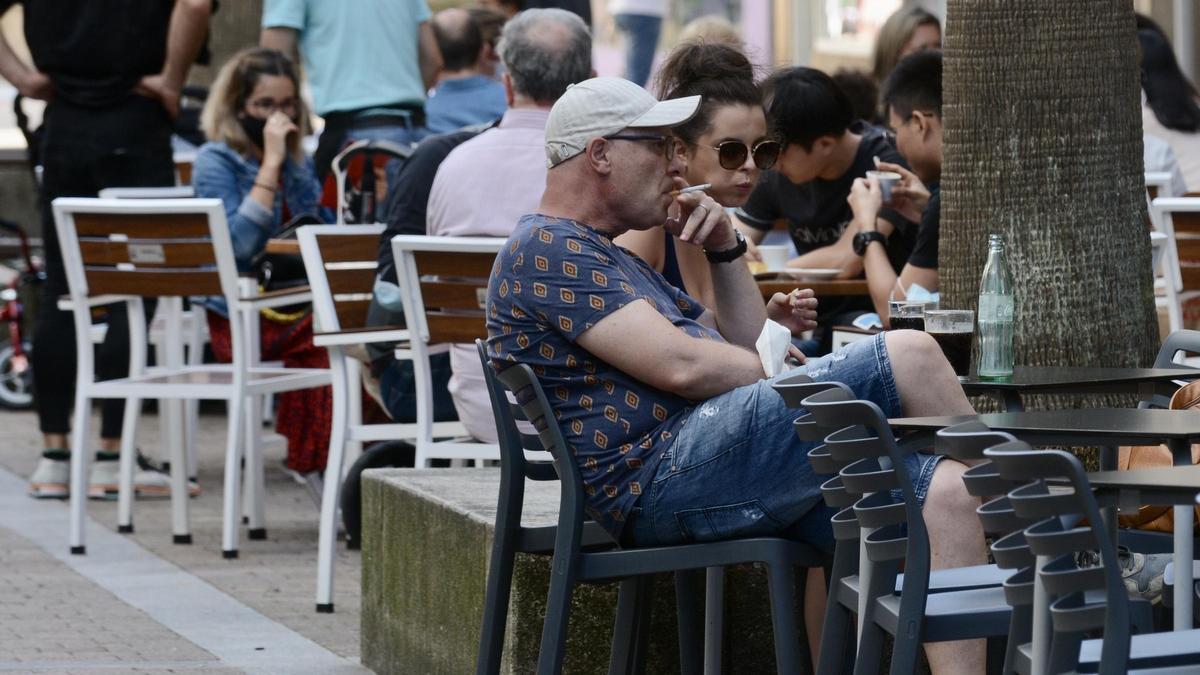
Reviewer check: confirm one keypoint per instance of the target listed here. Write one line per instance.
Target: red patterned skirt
(304, 417)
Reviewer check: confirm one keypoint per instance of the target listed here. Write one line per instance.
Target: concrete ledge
(427, 538)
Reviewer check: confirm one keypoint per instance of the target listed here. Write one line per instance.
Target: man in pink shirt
(486, 184)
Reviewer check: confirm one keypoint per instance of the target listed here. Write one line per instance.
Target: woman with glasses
(253, 162)
(726, 146)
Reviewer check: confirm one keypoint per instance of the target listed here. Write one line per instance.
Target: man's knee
(913, 351)
(947, 494)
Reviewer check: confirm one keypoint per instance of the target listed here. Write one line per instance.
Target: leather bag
(1159, 518)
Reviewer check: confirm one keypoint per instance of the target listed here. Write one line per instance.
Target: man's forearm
(12, 68)
(881, 278)
(740, 312)
(189, 24)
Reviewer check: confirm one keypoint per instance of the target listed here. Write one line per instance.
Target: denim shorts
(737, 468)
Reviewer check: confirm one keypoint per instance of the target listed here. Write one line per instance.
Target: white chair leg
(125, 494)
(253, 483)
(233, 475)
(181, 530)
(327, 537)
(80, 461)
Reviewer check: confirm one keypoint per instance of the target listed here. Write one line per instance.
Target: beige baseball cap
(603, 106)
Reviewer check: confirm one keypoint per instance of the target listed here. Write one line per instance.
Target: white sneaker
(148, 483)
(50, 480)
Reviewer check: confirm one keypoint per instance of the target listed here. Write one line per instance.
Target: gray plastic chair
(1086, 599)
(572, 564)
(972, 603)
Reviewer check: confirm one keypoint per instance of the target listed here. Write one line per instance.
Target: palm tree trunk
(1043, 144)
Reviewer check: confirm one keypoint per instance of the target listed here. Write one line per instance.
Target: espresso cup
(887, 180)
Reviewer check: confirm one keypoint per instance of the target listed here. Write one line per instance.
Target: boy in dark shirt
(825, 150)
(913, 97)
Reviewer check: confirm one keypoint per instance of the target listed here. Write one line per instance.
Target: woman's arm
(215, 174)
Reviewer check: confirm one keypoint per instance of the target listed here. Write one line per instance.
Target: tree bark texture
(1043, 144)
(234, 27)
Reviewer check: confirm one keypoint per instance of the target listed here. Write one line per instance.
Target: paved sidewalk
(138, 603)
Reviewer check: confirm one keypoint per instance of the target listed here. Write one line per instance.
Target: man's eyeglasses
(731, 155)
(266, 106)
(668, 146)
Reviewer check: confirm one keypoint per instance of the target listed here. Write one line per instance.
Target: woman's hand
(275, 135)
(796, 311)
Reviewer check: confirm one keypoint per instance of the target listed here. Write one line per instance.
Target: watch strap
(728, 255)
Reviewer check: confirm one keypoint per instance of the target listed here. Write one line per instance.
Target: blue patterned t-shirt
(553, 281)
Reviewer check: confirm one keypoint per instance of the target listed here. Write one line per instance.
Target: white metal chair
(340, 261)
(122, 250)
(1179, 219)
(443, 283)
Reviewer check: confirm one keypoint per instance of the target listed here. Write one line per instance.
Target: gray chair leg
(714, 620)
(558, 613)
(870, 644)
(626, 625)
(495, 605)
(691, 632)
(837, 631)
(782, 586)
(1020, 631)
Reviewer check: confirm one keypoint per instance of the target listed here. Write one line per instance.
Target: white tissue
(772, 345)
(918, 293)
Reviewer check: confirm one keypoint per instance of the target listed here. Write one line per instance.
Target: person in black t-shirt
(912, 95)
(112, 74)
(824, 151)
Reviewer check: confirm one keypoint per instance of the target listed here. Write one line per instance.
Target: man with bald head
(467, 92)
(663, 402)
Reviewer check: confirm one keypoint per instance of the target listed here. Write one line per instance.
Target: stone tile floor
(104, 612)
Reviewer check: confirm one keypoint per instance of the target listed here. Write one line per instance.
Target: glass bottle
(996, 313)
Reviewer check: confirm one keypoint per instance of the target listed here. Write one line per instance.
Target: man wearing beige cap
(676, 430)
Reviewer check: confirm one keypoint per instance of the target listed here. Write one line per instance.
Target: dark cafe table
(1074, 380)
(1111, 427)
(821, 288)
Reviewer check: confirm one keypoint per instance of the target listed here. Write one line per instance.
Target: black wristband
(728, 255)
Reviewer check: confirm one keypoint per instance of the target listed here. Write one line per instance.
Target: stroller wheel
(16, 379)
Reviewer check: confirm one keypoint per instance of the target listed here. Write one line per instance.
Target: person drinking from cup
(824, 151)
(913, 97)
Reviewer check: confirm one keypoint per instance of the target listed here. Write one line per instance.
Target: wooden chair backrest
(143, 251)
(1187, 242)
(348, 259)
(452, 287)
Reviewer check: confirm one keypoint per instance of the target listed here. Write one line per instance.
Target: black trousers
(85, 150)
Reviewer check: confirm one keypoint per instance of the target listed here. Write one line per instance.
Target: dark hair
(915, 84)
(804, 104)
(719, 73)
(545, 51)
(458, 38)
(1169, 93)
(862, 91)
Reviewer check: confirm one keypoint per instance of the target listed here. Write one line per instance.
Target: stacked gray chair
(970, 603)
(1087, 599)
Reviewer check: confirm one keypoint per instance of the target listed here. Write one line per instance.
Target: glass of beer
(953, 329)
(905, 314)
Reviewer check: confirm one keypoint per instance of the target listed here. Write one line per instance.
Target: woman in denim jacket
(253, 163)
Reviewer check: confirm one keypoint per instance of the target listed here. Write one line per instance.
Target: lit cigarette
(694, 188)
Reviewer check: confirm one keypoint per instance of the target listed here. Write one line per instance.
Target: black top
(1072, 379)
(96, 52)
(925, 251)
(581, 7)
(1094, 426)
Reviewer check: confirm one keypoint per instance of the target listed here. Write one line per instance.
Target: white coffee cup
(887, 180)
(774, 256)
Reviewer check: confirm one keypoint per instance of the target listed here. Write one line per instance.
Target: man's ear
(597, 156)
(509, 93)
(823, 145)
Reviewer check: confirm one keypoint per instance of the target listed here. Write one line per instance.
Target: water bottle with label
(996, 313)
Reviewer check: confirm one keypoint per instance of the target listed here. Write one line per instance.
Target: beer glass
(953, 329)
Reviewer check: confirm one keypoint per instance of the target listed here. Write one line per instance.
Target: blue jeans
(737, 468)
(641, 36)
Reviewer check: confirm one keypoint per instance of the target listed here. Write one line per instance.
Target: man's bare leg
(928, 386)
(814, 610)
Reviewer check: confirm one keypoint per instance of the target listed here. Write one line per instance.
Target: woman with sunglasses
(726, 146)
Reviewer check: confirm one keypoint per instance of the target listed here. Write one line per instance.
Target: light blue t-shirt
(357, 53)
